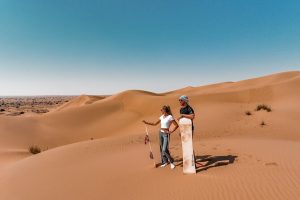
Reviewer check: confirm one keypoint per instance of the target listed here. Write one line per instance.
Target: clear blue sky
(103, 47)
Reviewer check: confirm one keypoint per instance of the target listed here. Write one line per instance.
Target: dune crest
(81, 101)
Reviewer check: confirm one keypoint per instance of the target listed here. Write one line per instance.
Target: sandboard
(188, 159)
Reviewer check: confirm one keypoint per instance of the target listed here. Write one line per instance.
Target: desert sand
(93, 146)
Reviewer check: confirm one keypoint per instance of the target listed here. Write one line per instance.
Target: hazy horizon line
(92, 94)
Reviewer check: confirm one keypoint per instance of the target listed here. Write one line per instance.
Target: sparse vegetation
(14, 106)
(263, 123)
(248, 113)
(34, 149)
(40, 110)
(263, 107)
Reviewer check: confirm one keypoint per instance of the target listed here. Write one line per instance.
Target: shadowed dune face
(81, 101)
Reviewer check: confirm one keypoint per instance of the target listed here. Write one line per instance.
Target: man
(188, 112)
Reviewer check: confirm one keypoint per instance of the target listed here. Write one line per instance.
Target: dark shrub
(263, 107)
(34, 149)
(263, 123)
(248, 113)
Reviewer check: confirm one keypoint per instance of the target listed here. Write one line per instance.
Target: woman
(164, 135)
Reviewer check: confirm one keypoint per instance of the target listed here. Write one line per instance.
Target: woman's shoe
(163, 165)
(172, 166)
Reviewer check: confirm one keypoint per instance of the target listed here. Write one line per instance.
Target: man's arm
(189, 116)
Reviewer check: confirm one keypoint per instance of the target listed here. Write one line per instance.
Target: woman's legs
(164, 145)
(161, 144)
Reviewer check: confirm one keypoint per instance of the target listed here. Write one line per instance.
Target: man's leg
(197, 164)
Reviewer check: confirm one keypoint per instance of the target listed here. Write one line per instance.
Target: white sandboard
(188, 160)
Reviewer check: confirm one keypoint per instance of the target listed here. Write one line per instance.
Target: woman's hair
(167, 109)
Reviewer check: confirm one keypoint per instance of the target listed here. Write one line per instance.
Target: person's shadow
(208, 161)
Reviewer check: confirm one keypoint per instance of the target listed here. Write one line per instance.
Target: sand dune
(244, 159)
(222, 104)
(80, 101)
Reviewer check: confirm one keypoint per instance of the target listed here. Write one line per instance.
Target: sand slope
(246, 160)
(110, 169)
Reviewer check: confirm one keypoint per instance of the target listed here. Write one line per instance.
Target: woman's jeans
(164, 148)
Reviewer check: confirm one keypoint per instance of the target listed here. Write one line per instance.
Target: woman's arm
(176, 126)
(152, 124)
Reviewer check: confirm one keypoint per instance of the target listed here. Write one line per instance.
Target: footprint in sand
(271, 164)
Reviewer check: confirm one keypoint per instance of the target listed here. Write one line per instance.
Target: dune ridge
(78, 120)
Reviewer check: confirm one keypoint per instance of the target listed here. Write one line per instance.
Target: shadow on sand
(211, 161)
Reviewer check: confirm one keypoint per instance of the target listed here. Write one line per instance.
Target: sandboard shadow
(216, 161)
(211, 161)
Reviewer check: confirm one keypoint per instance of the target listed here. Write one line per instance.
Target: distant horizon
(107, 46)
(49, 95)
